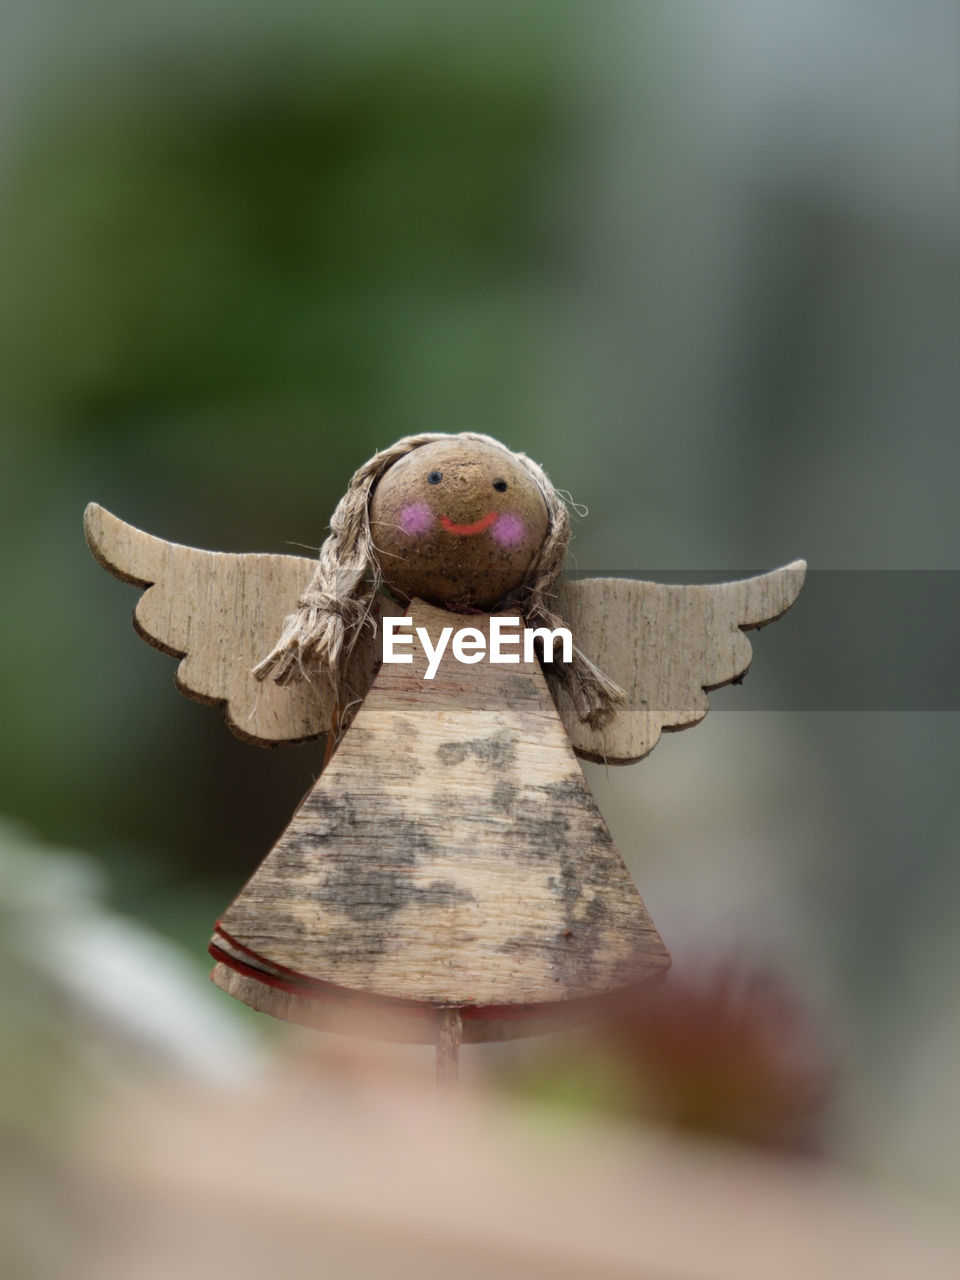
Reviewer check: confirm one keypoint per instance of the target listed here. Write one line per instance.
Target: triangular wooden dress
(451, 855)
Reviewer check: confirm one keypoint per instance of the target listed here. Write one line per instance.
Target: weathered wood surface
(221, 613)
(450, 853)
(665, 646)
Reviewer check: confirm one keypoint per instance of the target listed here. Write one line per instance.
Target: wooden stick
(449, 1032)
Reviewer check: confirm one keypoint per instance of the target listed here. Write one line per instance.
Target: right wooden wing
(666, 646)
(221, 614)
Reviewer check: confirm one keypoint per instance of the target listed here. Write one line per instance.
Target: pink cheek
(416, 519)
(509, 530)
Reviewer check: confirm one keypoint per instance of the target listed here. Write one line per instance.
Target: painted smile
(468, 530)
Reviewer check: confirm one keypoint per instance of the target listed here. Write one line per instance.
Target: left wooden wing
(666, 646)
(221, 613)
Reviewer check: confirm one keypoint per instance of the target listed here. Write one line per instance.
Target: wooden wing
(666, 646)
(221, 613)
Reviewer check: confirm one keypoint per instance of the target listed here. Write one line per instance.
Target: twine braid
(338, 602)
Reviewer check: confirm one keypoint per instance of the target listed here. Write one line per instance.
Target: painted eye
(500, 486)
(434, 477)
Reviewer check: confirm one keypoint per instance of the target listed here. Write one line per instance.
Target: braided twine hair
(339, 600)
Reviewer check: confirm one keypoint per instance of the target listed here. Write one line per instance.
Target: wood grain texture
(451, 853)
(666, 646)
(221, 613)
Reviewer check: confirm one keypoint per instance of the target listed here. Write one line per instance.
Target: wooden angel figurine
(449, 873)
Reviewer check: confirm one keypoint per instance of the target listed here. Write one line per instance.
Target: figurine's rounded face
(457, 523)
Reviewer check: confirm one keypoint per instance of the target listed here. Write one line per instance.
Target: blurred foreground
(148, 1132)
(344, 1176)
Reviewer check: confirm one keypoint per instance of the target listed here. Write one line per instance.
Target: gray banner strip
(856, 640)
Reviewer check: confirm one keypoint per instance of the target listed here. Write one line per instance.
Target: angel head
(457, 520)
(462, 522)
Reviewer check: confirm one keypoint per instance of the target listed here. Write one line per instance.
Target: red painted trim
(329, 993)
(321, 990)
(467, 530)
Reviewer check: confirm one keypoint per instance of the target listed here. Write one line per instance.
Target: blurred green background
(698, 259)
